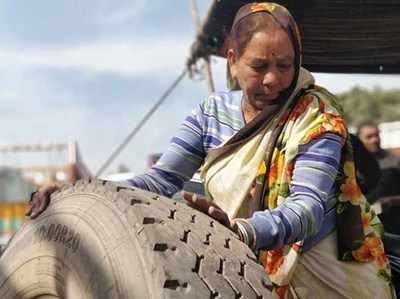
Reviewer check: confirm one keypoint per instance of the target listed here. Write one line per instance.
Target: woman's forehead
(267, 43)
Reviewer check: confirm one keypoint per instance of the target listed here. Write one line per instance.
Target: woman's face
(266, 67)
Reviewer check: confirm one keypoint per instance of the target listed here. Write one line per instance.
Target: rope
(141, 123)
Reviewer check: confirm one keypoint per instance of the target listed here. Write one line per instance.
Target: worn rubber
(100, 240)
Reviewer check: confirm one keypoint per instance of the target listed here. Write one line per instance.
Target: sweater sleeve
(183, 157)
(312, 194)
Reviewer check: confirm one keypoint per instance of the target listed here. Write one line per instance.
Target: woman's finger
(219, 215)
(40, 200)
(31, 203)
(38, 207)
(197, 202)
(29, 209)
(187, 196)
(203, 205)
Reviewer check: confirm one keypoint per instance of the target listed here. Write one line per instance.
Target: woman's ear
(232, 62)
(231, 71)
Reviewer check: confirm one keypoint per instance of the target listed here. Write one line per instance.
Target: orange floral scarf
(358, 228)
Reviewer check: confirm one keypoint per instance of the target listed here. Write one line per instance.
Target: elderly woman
(277, 167)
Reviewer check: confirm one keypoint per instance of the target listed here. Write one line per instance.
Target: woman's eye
(259, 67)
(285, 66)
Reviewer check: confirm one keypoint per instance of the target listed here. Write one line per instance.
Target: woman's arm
(183, 157)
(311, 196)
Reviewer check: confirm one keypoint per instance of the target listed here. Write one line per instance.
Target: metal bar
(141, 124)
(207, 67)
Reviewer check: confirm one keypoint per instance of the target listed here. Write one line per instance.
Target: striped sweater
(309, 212)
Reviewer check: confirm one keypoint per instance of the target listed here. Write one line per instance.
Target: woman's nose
(270, 77)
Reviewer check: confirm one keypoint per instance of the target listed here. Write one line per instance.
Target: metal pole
(207, 66)
(140, 124)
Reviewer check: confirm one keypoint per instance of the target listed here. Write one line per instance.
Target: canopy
(339, 36)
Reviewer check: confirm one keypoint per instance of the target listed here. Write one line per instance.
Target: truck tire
(101, 240)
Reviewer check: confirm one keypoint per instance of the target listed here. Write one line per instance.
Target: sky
(89, 71)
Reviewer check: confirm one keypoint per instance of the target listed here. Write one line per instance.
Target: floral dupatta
(358, 228)
(310, 116)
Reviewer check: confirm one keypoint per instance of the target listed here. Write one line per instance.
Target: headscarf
(283, 17)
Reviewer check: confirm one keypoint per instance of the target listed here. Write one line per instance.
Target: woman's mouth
(266, 97)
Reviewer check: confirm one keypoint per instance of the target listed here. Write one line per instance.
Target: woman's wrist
(246, 231)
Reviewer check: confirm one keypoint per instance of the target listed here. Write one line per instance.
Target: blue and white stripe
(308, 212)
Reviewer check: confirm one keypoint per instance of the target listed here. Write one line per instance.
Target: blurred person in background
(367, 167)
(389, 183)
(387, 191)
(368, 132)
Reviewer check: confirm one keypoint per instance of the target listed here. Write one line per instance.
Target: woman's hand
(201, 204)
(40, 200)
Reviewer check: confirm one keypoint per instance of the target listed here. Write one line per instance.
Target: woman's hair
(252, 18)
(243, 31)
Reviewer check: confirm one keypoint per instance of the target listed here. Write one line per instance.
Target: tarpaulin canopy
(339, 36)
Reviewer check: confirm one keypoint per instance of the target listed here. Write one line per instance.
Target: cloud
(113, 13)
(91, 71)
(49, 105)
(138, 58)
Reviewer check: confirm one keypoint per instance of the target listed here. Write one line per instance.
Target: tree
(379, 105)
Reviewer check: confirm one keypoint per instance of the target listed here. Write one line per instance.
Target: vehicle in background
(29, 172)
(195, 185)
(14, 191)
